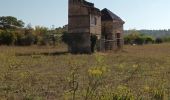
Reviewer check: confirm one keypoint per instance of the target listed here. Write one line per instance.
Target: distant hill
(153, 33)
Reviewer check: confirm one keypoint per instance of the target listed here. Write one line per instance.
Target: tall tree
(10, 20)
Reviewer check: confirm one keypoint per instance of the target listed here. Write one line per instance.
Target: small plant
(95, 77)
(123, 93)
(159, 94)
(73, 81)
(95, 80)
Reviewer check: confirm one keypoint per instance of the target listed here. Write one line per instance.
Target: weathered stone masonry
(89, 27)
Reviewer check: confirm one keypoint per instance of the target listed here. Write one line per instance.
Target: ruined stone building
(112, 30)
(90, 28)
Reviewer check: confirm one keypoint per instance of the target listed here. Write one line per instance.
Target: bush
(29, 37)
(166, 39)
(7, 38)
(158, 40)
(25, 38)
(40, 40)
(127, 40)
(19, 36)
(149, 40)
(139, 40)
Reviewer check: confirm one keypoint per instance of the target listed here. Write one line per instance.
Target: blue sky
(138, 14)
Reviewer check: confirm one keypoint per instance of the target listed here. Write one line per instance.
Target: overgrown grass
(50, 73)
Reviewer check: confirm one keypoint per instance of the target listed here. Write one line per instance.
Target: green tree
(159, 40)
(135, 37)
(10, 20)
(132, 37)
(41, 34)
(7, 38)
(166, 39)
(149, 40)
(133, 34)
(139, 40)
(29, 37)
(25, 37)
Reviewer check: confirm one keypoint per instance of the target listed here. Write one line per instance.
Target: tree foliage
(12, 31)
(7, 37)
(154, 33)
(135, 37)
(11, 21)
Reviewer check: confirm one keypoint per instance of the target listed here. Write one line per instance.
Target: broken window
(93, 20)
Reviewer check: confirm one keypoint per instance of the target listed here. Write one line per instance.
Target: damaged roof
(108, 15)
(88, 3)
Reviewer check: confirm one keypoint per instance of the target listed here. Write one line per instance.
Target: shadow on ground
(43, 53)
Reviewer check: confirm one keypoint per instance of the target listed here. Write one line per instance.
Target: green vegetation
(7, 37)
(147, 36)
(8, 21)
(153, 33)
(50, 73)
(135, 37)
(13, 32)
(29, 36)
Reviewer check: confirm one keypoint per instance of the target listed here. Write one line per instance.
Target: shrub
(19, 36)
(139, 40)
(25, 39)
(158, 40)
(127, 40)
(135, 37)
(7, 37)
(149, 40)
(166, 39)
(40, 40)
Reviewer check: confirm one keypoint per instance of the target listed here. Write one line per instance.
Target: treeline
(146, 36)
(153, 33)
(13, 32)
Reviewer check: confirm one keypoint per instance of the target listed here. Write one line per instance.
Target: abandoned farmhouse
(90, 28)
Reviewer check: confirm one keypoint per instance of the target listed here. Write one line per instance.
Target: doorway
(93, 43)
(118, 40)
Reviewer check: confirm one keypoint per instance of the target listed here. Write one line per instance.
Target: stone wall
(95, 29)
(80, 43)
(109, 34)
(78, 19)
(84, 21)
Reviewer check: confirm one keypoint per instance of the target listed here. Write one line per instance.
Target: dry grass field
(50, 73)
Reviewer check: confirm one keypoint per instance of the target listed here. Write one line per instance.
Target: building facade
(112, 30)
(89, 28)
